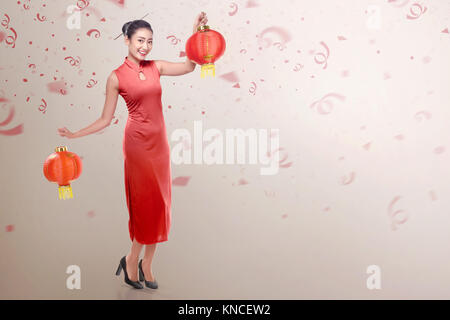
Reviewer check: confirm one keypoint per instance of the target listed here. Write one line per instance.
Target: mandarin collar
(133, 65)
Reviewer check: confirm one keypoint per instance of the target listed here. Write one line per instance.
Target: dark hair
(130, 27)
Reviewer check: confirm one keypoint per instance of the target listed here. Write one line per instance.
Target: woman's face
(140, 44)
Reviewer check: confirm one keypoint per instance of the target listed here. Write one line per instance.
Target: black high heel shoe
(148, 284)
(123, 265)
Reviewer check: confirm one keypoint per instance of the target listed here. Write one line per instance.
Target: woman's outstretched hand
(64, 132)
(201, 20)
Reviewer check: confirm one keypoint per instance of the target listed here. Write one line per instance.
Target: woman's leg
(132, 260)
(147, 261)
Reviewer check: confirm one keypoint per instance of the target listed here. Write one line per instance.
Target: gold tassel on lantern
(206, 68)
(65, 192)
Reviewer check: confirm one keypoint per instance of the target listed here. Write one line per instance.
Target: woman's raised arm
(180, 68)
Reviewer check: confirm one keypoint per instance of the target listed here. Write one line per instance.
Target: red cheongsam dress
(146, 153)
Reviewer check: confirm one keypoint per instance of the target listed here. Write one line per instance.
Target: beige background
(373, 153)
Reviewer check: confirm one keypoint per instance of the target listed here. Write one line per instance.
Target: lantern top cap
(201, 28)
(61, 148)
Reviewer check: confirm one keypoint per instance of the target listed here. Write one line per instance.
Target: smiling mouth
(143, 53)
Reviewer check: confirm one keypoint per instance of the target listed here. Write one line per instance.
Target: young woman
(145, 146)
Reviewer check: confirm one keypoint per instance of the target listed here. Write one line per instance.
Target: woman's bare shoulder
(113, 79)
(158, 64)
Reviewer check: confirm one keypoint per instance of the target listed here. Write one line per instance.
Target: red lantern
(205, 47)
(61, 167)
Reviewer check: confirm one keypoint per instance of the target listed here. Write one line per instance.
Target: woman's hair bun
(130, 27)
(125, 28)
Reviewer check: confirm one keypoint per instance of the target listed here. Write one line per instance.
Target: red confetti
(43, 107)
(267, 42)
(96, 31)
(251, 4)
(174, 40)
(82, 4)
(9, 117)
(120, 3)
(253, 89)
(439, 150)
(325, 57)
(5, 23)
(319, 104)
(242, 182)
(235, 7)
(181, 181)
(414, 13)
(91, 83)
(43, 18)
(73, 61)
(347, 180)
(421, 115)
(392, 215)
(10, 39)
(280, 46)
(56, 86)
(231, 77)
(367, 145)
(298, 67)
(344, 73)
